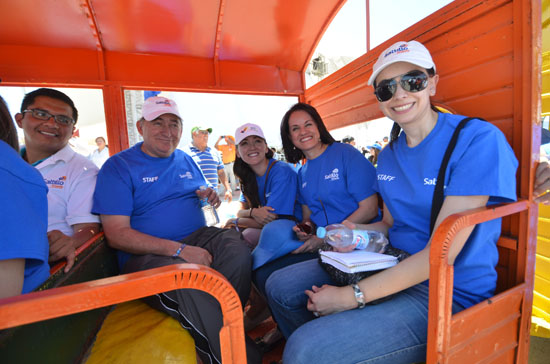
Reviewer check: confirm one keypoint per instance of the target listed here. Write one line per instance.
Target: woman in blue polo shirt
(268, 187)
(481, 172)
(335, 183)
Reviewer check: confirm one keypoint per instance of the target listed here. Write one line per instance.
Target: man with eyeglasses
(47, 118)
(148, 200)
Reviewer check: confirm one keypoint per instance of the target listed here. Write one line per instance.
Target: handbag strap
(266, 178)
(437, 200)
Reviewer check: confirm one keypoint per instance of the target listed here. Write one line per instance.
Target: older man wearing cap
(208, 159)
(148, 200)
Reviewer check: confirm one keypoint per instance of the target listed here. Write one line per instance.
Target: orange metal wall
(485, 54)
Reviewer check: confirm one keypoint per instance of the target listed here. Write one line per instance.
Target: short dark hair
(8, 133)
(293, 154)
(48, 92)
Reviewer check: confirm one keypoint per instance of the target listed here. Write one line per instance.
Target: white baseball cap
(155, 106)
(411, 52)
(247, 130)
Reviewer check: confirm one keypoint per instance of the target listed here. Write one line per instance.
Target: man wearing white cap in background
(148, 199)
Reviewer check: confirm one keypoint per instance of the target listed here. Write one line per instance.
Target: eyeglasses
(44, 115)
(413, 81)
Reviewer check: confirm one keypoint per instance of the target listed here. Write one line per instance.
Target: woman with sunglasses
(481, 172)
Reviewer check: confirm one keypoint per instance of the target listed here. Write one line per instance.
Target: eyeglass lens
(414, 81)
(44, 115)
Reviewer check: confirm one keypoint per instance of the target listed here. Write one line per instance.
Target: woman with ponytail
(268, 187)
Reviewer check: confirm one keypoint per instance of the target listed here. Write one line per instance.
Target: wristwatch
(359, 296)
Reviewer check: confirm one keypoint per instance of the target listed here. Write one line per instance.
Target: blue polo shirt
(482, 163)
(158, 194)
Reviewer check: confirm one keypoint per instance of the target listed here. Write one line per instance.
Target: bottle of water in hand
(209, 211)
(340, 236)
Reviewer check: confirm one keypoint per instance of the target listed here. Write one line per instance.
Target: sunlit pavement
(229, 210)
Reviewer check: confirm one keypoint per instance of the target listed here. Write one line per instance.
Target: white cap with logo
(155, 106)
(411, 52)
(247, 130)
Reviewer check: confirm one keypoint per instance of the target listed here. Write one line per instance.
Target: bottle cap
(321, 232)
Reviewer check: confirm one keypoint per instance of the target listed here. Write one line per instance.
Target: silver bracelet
(359, 296)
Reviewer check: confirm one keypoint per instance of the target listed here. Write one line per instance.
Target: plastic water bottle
(209, 211)
(340, 236)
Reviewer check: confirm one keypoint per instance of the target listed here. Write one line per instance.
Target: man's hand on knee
(196, 255)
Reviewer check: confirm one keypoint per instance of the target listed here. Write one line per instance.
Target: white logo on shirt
(430, 181)
(333, 176)
(150, 179)
(267, 194)
(304, 185)
(385, 177)
(187, 175)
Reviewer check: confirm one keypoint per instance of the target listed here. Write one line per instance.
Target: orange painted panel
(158, 27)
(487, 34)
(60, 23)
(492, 75)
(273, 31)
(266, 78)
(502, 341)
(492, 105)
(143, 69)
(469, 325)
(19, 64)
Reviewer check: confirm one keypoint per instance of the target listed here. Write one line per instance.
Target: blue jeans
(260, 275)
(393, 331)
(285, 293)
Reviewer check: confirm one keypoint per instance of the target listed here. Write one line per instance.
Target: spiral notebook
(358, 260)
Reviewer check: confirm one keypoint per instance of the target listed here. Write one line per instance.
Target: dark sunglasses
(413, 81)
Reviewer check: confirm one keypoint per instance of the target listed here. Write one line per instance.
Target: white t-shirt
(70, 178)
(99, 157)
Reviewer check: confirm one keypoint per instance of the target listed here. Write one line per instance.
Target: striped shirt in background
(208, 160)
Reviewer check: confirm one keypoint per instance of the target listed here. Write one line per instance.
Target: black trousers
(197, 311)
